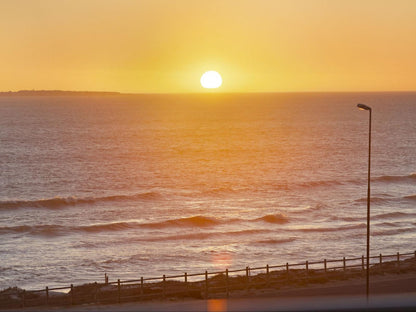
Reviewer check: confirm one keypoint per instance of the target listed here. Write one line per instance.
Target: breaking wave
(333, 229)
(388, 224)
(393, 215)
(203, 221)
(220, 191)
(405, 178)
(196, 221)
(386, 200)
(394, 231)
(374, 200)
(276, 219)
(188, 222)
(59, 230)
(275, 241)
(61, 202)
(206, 235)
(325, 183)
(109, 227)
(346, 219)
(42, 230)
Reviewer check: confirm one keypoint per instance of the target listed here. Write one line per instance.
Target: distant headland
(55, 93)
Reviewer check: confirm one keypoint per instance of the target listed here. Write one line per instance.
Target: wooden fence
(206, 285)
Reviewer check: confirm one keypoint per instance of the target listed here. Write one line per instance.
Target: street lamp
(368, 108)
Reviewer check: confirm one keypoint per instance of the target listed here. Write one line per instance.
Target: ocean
(146, 185)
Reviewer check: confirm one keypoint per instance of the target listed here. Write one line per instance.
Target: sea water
(146, 185)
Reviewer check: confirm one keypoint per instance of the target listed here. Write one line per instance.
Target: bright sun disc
(211, 80)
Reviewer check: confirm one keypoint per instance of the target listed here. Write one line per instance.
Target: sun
(211, 80)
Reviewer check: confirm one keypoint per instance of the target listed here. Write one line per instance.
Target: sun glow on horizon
(211, 80)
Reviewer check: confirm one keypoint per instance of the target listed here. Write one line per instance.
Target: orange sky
(166, 45)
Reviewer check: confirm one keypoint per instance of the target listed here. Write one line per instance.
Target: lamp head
(364, 107)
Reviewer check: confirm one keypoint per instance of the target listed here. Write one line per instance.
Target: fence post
(307, 270)
(362, 262)
(206, 284)
(141, 286)
(72, 294)
(119, 290)
(381, 263)
(247, 277)
(186, 282)
(226, 283)
(96, 292)
(267, 275)
(325, 265)
(24, 297)
(164, 286)
(47, 295)
(398, 263)
(344, 264)
(287, 271)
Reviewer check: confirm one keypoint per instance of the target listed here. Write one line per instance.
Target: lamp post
(368, 108)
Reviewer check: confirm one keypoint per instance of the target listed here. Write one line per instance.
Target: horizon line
(189, 93)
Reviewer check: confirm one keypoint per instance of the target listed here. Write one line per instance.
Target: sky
(164, 46)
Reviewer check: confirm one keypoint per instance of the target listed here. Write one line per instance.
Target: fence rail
(207, 284)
